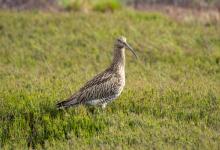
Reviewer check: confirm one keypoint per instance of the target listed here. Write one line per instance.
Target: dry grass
(48, 5)
(205, 16)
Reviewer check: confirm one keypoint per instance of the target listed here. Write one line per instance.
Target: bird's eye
(119, 40)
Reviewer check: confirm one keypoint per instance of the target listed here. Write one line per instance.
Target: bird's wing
(98, 79)
(106, 89)
(103, 85)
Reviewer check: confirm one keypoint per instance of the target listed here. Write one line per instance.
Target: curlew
(107, 85)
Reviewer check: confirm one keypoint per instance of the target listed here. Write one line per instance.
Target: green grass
(88, 5)
(172, 94)
(108, 5)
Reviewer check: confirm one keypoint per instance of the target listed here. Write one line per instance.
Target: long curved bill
(131, 49)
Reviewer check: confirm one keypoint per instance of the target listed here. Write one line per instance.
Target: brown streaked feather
(105, 89)
(98, 79)
(88, 90)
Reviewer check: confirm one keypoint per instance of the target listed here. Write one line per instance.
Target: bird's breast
(121, 80)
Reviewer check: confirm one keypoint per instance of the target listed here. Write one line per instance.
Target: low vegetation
(172, 94)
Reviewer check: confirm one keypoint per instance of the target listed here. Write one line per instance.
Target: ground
(172, 94)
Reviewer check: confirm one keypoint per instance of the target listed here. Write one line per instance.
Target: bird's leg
(104, 105)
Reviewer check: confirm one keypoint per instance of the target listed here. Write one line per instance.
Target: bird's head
(122, 43)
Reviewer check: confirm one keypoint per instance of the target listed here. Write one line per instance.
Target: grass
(95, 5)
(172, 94)
(109, 5)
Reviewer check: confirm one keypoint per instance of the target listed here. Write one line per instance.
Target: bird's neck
(119, 59)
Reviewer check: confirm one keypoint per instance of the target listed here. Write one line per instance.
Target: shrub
(108, 5)
(78, 5)
(75, 6)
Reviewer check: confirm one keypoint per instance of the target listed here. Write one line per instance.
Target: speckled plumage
(107, 85)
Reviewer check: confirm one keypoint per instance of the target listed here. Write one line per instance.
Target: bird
(105, 86)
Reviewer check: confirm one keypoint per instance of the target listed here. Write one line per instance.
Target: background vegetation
(182, 3)
(172, 95)
(107, 5)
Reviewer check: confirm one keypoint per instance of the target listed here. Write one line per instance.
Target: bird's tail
(67, 103)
